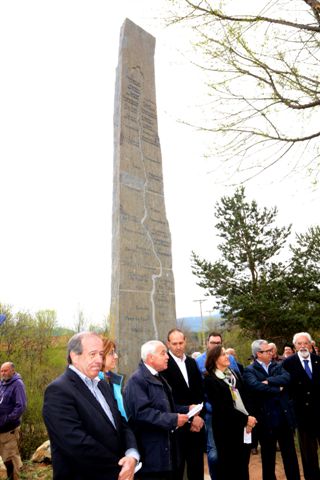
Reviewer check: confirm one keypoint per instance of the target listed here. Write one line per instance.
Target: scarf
(228, 377)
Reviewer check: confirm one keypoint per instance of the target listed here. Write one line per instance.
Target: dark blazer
(84, 443)
(305, 392)
(182, 393)
(270, 404)
(228, 428)
(153, 417)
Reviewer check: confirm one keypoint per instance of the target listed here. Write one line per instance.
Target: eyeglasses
(112, 353)
(266, 351)
(215, 343)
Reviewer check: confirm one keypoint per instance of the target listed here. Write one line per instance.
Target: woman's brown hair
(212, 357)
(108, 345)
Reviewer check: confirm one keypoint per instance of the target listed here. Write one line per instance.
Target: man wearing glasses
(267, 382)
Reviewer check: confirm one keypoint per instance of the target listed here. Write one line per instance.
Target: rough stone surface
(142, 292)
(43, 453)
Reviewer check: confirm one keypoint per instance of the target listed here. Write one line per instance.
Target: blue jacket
(115, 381)
(13, 402)
(153, 417)
(270, 404)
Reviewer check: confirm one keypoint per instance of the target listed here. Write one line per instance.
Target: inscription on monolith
(142, 292)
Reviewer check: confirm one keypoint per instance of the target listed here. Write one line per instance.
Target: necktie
(307, 368)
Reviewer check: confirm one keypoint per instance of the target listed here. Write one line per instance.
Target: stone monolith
(142, 292)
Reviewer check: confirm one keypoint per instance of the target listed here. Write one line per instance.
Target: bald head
(7, 371)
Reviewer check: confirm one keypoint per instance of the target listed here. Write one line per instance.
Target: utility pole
(202, 325)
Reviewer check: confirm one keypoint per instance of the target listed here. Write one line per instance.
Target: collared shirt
(302, 361)
(92, 384)
(264, 366)
(151, 370)
(181, 362)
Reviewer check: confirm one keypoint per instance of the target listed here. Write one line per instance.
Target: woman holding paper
(231, 421)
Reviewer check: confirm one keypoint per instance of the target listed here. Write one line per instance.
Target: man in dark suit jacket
(153, 415)
(186, 383)
(304, 369)
(266, 382)
(89, 437)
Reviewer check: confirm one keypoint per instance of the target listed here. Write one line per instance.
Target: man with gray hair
(89, 438)
(266, 381)
(153, 415)
(304, 369)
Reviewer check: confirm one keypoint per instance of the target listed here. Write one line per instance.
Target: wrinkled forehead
(160, 349)
(302, 339)
(91, 343)
(6, 366)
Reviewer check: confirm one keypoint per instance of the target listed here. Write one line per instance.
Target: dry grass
(33, 471)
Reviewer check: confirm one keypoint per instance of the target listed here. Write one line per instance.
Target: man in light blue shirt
(88, 436)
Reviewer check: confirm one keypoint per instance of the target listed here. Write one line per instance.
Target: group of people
(172, 409)
(268, 400)
(149, 432)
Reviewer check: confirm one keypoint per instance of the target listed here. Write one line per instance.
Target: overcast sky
(58, 61)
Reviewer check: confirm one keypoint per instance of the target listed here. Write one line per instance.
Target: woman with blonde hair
(110, 359)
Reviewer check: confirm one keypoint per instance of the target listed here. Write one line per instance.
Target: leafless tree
(262, 60)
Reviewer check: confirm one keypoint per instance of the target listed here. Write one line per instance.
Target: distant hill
(193, 324)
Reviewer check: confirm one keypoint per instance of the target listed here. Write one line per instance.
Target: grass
(33, 471)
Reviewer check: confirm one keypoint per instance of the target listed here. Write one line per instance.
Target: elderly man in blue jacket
(267, 381)
(153, 415)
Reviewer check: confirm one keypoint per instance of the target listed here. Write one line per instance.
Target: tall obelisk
(142, 292)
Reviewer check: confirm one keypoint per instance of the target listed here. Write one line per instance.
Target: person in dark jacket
(304, 370)
(232, 423)
(13, 403)
(267, 382)
(186, 383)
(153, 415)
(89, 438)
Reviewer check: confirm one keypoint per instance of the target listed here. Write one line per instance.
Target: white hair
(149, 347)
(301, 334)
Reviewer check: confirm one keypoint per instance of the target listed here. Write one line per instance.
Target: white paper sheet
(247, 437)
(196, 409)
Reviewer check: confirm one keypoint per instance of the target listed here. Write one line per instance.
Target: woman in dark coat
(232, 425)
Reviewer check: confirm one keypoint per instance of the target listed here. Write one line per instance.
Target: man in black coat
(89, 438)
(185, 380)
(153, 414)
(304, 369)
(266, 382)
